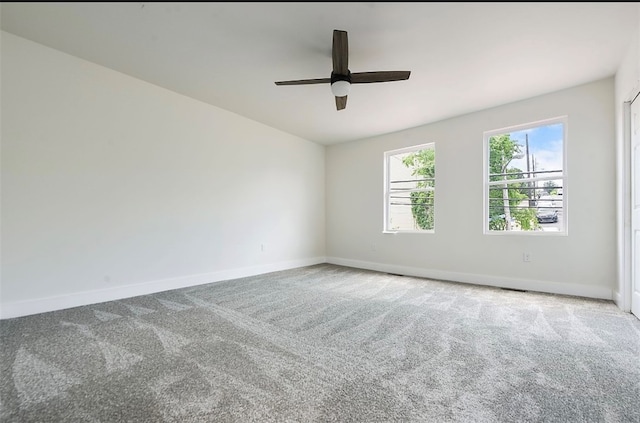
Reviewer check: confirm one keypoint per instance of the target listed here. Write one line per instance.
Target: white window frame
(387, 188)
(565, 199)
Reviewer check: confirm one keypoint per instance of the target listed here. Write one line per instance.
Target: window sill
(408, 232)
(527, 233)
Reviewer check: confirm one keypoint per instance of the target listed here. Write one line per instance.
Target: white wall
(581, 263)
(114, 187)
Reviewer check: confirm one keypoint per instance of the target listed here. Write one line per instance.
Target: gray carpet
(325, 343)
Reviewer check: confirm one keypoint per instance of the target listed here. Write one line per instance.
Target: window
(410, 189)
(525, 178)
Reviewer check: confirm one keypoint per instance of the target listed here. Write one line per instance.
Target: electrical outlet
(263, 247)
(526, 257)
(374, 247)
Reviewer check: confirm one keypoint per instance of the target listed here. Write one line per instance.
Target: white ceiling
(463, 57)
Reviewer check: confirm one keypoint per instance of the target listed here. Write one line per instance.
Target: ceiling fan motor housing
(340, 84)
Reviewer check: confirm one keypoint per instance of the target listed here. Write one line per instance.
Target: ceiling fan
(341, 78)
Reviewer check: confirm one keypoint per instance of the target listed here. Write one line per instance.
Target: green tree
(423, 165)
(550, 187)
(504, 200)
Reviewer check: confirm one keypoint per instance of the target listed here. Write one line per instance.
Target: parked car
(547, 216)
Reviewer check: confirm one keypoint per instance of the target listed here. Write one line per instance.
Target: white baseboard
(561, 288)
(617, 299)
(42, 305)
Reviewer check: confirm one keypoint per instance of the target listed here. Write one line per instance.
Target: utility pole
(529, 187)
(535, 184)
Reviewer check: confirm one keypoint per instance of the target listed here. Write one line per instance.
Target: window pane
(410, 211)
(410, 186)
(525, 206)
(535, 158)
(411, 170)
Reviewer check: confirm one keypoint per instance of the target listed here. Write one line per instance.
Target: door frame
(624, 203)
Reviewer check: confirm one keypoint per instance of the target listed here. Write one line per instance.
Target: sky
(545, 145)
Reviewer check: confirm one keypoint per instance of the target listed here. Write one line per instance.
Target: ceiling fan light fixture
(340, 88)
(342, 78)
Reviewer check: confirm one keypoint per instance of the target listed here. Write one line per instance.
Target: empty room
(319, 212)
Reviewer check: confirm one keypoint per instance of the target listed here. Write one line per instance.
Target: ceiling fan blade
(305, 81)
(340, 52)
(341, 102)
(382, 76)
